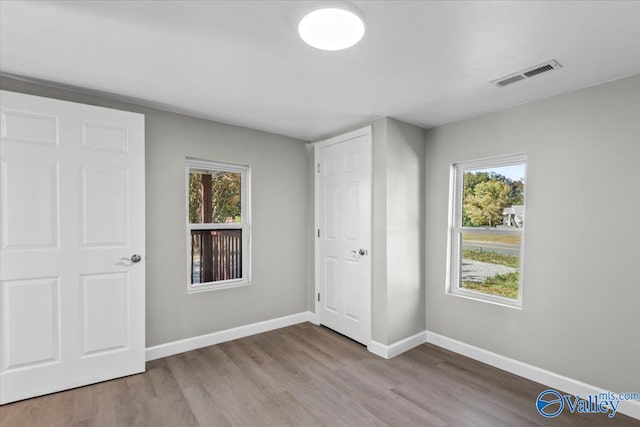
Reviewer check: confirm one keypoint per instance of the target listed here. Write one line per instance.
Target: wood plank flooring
(303, 375)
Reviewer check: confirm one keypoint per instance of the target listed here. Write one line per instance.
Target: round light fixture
(331, 29)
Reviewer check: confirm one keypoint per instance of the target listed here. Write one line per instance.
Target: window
(487, 220)
(218, 227)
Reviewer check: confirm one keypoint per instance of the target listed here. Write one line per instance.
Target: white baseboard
(530, 372)
(392, 350)
(315, 318)
(378, 349)
(188, 344)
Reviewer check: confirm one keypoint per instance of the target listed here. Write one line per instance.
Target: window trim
(455, 229)
(244, 225)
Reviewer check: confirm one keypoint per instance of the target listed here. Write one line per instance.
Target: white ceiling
(241, 62)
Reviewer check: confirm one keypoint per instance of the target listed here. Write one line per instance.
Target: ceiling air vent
(527, 73)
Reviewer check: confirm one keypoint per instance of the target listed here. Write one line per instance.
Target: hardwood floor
(303, 375)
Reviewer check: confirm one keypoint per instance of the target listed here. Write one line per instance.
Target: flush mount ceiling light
(331, 28)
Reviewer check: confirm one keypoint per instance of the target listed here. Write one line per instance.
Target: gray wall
(581, 303)
(405, 230)
(398, 309)
(280, 225)
(379, 321)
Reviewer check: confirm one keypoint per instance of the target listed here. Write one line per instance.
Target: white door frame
(318, 145)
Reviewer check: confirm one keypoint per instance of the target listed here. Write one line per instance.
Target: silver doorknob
(359, 252)
(135, 258)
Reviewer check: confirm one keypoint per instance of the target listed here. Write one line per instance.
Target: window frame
(456, 229)
(244, 224)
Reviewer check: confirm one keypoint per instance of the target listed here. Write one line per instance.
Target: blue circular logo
(549, 403)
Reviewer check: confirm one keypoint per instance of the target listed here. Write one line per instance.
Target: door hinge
(318, 297)
(318, 232)
(318, 169)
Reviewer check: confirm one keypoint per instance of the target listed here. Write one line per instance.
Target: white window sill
(216, 286)
(477, 296)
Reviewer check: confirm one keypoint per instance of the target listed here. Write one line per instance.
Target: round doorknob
(135, 258)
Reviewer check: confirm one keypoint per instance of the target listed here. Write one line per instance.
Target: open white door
(343, 217)
(72, 207)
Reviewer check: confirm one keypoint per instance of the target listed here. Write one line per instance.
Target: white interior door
(72, 205)
(343, 203)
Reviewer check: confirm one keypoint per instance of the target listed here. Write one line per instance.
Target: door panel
(330, 284)
(344, 209)
(331, 212)
(72, 194)
(105, 137)
(24, 126)
(351, 211)
(34, 305)
(105, 312)
(30, 204)
(352, 302)
(105, 211)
